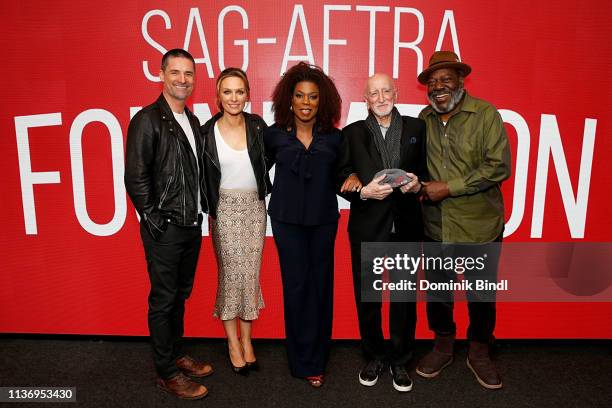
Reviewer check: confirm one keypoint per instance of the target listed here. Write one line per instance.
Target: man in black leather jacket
(164, 177)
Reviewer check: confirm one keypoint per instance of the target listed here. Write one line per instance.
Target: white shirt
(183, 120)
(383, 130)
(236, 169)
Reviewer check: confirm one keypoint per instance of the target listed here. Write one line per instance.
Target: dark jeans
(402, 320)
(306, 255)
(171, 263)
(482, 314)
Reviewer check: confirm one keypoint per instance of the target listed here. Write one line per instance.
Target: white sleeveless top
(236, 169)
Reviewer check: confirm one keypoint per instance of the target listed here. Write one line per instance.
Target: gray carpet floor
(118, 372)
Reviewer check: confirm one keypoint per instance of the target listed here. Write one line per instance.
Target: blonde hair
(232, 72)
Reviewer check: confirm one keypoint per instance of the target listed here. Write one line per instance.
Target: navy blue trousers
(306, 255)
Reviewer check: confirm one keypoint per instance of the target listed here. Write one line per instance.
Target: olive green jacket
(471, 153)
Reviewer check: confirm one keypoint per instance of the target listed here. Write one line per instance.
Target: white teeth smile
(441, 96)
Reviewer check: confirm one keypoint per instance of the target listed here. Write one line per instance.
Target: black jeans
(402, 319)
(482, 314)
(171, 263)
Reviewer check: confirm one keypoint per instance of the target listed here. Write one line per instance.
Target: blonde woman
(237, 183)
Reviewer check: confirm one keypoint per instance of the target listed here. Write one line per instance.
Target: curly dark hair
(330, 103)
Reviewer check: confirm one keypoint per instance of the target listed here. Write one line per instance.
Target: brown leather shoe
(481, 365)
(182, 387)
(194, 368)
(437, 359)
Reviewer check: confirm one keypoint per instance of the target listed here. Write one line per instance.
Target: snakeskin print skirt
(238, 236)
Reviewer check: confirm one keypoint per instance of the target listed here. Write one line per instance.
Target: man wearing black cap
(468, 157)
(165, 181)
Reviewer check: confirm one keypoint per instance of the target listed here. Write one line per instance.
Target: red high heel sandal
(315, 381)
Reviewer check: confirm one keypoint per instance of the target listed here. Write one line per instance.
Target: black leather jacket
(161, 175)
(255, 126)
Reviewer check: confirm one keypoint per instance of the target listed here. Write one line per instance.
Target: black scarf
(388, 146)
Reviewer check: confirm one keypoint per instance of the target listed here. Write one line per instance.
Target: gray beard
(455, 99)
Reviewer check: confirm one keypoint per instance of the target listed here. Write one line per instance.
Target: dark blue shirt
(305, 180)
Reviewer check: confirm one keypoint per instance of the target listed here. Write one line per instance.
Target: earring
(291, 108)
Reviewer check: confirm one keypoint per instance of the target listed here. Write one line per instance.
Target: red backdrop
(72, 261)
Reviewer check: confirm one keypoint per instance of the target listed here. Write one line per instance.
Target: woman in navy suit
(304, 145)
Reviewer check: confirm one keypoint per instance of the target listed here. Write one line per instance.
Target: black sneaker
(401, 379)
(368, 375)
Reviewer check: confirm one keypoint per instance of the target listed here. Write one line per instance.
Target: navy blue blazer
(305, 180)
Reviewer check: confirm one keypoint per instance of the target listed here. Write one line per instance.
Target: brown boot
(182, 387)
(194, 368)
(481, 365)
(437, 359)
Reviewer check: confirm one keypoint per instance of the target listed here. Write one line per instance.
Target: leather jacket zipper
(194, 154)
(263, 159)
(213, 162)
(165, 193)
(180, 157)
(150, 222)
(184, 193)
(203, 191)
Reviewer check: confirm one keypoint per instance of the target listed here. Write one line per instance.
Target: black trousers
(402, 320)
(171, 263)
(306, 255)
(482, 314)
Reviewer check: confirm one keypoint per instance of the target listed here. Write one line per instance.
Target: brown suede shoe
(437, 359)
(481, 365)
(182, 387)
(194, 368)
